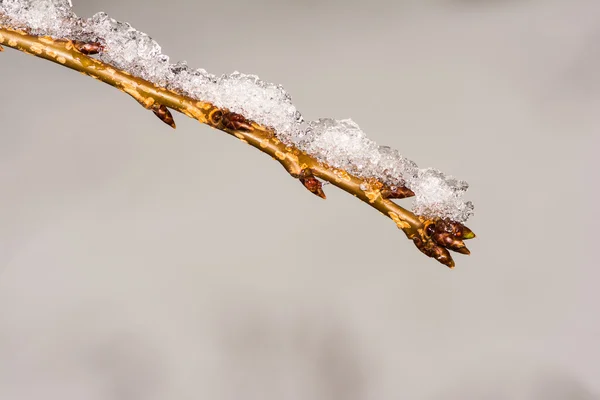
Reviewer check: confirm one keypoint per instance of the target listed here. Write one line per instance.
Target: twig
(432, 236)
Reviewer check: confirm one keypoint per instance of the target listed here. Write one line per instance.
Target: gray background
(141, 263)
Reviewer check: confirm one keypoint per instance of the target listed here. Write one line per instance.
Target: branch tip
(468, 234)
(441, 235)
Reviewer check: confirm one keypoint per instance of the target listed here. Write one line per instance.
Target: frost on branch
(337, 143)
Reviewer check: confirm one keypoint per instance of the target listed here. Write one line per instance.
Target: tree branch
(432, 236)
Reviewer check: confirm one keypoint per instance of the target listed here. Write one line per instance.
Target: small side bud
(236, 122)
(397, 192)
(163, 113)
(88, 48)
(311, 183)
(1, 49)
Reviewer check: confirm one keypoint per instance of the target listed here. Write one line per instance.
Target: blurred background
(138, 263)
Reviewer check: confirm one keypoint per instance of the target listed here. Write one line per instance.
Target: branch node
(215, 116)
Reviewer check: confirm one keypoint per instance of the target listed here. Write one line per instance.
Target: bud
(236, 122)
(449, 234)
(88, 48)
(163, 113)
(467, 233)
(431, 250)
(449, 242)
(456, 229)
(311, 183)
(397, 192)
(443, 256)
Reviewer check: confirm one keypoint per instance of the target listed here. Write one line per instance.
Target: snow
(338, 143)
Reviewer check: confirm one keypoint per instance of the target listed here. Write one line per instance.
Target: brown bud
(443, 239)
(443, 256)
(462, 250)
(449, 242)
(311, 183)
(236, 122)
(88, 48)
(1, 48)
(163, 113)
(439, 253)
(397, 192)
(448, 234)
(456, 229)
